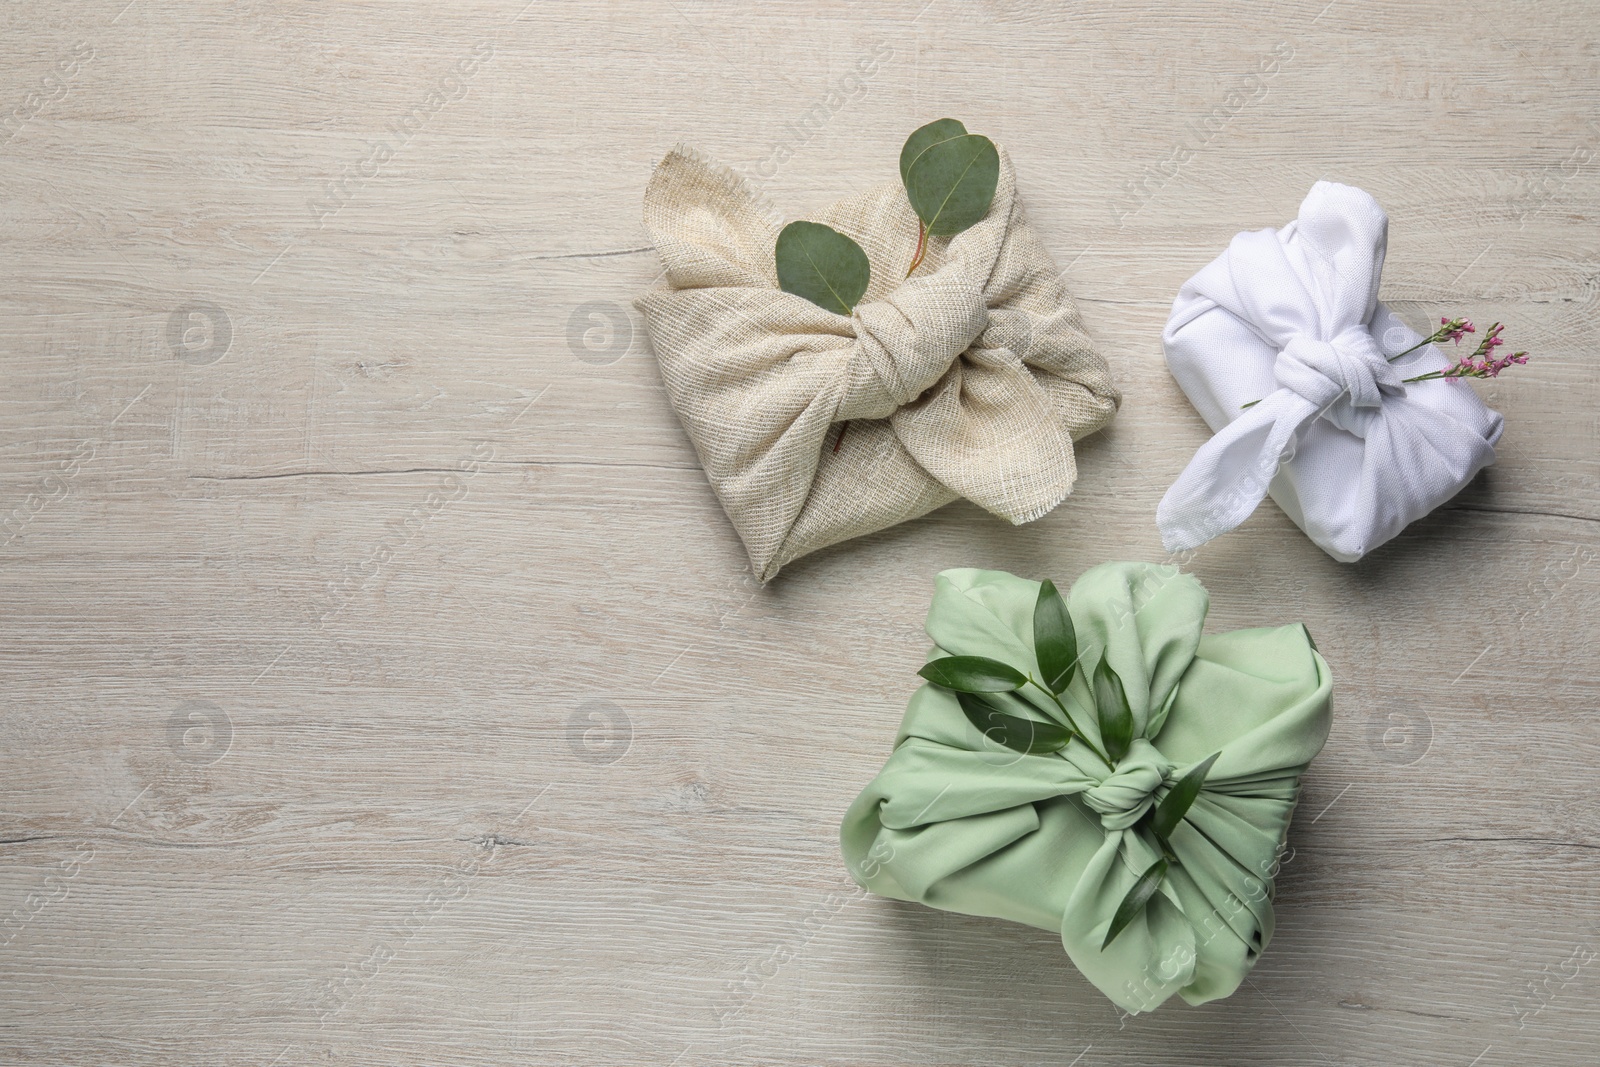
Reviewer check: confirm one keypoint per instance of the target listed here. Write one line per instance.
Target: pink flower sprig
(1481, 363)
(1452, 330)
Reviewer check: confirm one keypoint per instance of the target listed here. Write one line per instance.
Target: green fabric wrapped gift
(1070, 803)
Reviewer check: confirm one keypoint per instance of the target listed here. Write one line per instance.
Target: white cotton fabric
(1291, 318)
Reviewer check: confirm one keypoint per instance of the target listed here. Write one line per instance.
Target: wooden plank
(385, 684)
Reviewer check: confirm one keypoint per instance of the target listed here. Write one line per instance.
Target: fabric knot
(1129, 791)
(908, 340)
(1323, 371)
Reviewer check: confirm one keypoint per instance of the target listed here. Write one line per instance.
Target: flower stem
(1486, 366)
(1424, 343)
(1449, 330)
(1438, 335)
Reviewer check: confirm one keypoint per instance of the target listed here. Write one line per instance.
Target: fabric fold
(1283, 347)
(957, 821)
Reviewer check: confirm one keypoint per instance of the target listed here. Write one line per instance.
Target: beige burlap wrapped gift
(972, 378)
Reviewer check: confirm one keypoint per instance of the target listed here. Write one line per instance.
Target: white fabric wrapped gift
(1291, 318)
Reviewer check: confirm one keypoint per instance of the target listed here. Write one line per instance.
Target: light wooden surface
(383, 684)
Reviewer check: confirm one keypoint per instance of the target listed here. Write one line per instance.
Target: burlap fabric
(972, 378)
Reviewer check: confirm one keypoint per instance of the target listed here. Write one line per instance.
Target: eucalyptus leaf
(1132, 904)
(1116, 717)
(822, 265)
(925, 137)
(1021, 735)
(1176, 804)
(973, 674)
(1055, 641)
(951, 183)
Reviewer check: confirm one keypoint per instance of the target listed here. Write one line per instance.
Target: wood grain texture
(386, 686)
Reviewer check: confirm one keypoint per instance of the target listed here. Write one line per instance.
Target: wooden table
(384, 684)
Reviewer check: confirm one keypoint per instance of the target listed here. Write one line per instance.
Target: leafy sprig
(1029, 736)
(1161, 821)
(975, 678)
(950, 177)
(1056, 649)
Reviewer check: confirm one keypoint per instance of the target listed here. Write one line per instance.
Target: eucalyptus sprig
(950, 177)
(1055, 643)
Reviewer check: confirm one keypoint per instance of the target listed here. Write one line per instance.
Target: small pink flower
(1479, 363)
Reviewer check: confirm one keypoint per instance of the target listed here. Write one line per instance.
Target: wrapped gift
(970, 379)
(1285, 350)
(974, 813)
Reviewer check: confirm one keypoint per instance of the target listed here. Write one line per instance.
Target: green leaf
(822, 265)
(1022, 735)
(1134, 902)
(951, 183)
(1116, 717)
(1055, 641)
(926, 137)
(973, 674)
(1175, 805)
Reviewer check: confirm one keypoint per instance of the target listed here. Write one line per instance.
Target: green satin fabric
(958, 822)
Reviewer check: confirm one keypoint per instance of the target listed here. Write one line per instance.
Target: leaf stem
(1166, 849)
(922, 248)
(1077, 731)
